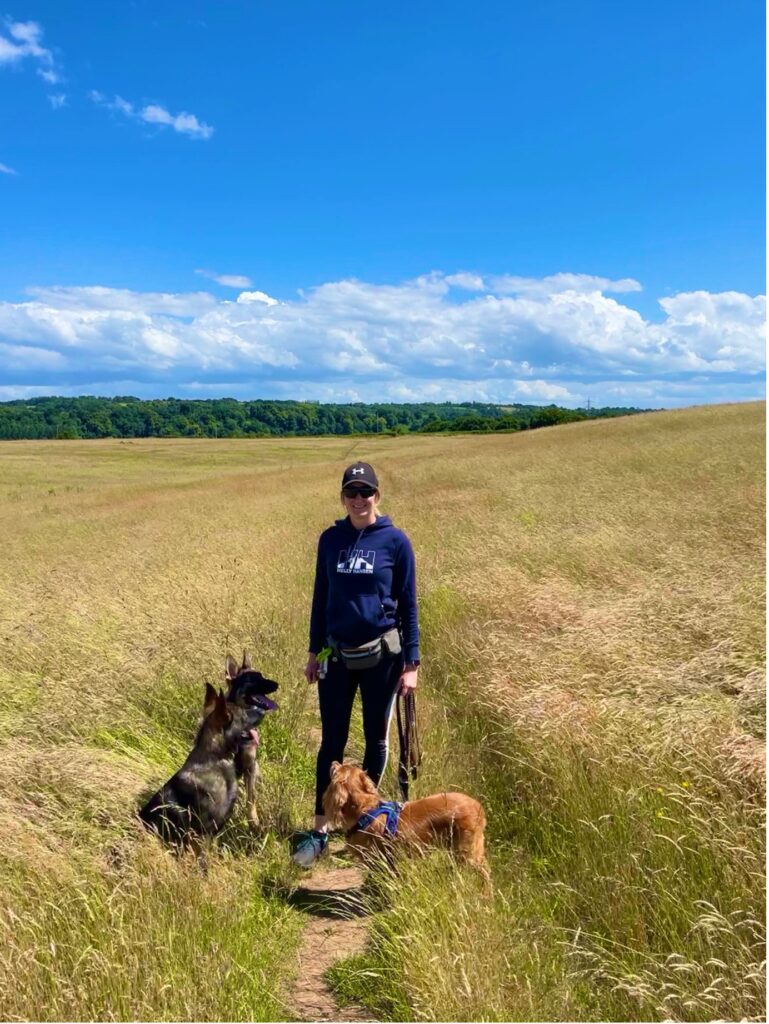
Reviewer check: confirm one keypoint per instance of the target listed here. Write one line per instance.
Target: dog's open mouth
(258, 700)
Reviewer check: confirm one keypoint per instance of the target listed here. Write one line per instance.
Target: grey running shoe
(309, 848)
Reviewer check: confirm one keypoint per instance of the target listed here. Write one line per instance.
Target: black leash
(408, 738)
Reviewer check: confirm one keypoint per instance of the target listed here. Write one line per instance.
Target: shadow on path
(332, 900)
(329, 902)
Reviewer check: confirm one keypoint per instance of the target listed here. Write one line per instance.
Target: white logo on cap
(361, 470)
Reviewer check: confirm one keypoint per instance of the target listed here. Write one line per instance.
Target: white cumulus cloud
(725, 329)
(247, 297)
(559, 339)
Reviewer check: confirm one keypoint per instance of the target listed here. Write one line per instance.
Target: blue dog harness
(391, 808)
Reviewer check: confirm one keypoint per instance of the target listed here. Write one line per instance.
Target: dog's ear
(220, 716)
(359, 782)
(246, 661)
(230, 668)
(209, 700)
(335, 766)
(367, 785)
(334, 799)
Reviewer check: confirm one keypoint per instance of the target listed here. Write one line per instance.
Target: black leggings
(336, 693)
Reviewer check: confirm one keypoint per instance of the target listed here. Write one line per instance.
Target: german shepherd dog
(249, 688)
(199, 798)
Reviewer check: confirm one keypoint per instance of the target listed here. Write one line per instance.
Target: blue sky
(502, 201)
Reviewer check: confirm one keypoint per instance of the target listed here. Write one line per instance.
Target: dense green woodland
(88, 417)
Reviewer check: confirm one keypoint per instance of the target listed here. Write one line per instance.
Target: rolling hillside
(593, 618)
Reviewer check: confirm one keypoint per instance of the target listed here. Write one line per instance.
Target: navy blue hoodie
(365, 584)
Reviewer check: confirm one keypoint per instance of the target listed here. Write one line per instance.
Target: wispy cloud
(350, 340)
(23, 42)
(5, 169)
(184, 123)
(98, 300)
(57, 100)
(468, 282)
(228, 280)
(117, 103)
(509, 284)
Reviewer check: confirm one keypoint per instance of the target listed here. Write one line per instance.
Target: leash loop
(408, 740)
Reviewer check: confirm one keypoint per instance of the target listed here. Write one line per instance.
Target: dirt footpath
(335, 929)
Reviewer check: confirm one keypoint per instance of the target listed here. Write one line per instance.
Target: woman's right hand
(311, 668)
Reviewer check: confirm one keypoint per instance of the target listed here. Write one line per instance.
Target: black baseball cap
(360, 473)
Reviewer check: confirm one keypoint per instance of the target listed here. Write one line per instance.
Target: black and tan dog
(199, 798)
(249, 688)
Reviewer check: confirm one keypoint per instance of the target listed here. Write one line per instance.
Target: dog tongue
(254, 734)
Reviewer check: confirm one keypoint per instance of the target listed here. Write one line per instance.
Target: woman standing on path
(364, 608)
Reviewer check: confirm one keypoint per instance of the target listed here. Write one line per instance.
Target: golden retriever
(449, 819)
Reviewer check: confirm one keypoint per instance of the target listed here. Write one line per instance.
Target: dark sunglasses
(355, 492)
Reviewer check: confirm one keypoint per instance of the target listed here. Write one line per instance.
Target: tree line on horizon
(90, 417)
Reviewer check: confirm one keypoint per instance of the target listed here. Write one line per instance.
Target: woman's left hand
(408, 680)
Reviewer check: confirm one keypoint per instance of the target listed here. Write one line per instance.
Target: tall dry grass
(593, 644)
(128, 571)
(596, 643)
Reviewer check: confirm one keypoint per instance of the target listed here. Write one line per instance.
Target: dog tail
(476, 853)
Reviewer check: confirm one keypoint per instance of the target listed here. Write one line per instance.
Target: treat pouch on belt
(368, 655)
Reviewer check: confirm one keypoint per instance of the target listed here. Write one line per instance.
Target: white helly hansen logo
(355, 561)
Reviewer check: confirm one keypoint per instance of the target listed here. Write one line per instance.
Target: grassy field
(593, 619)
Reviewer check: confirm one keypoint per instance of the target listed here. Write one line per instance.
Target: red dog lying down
(451, 819)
